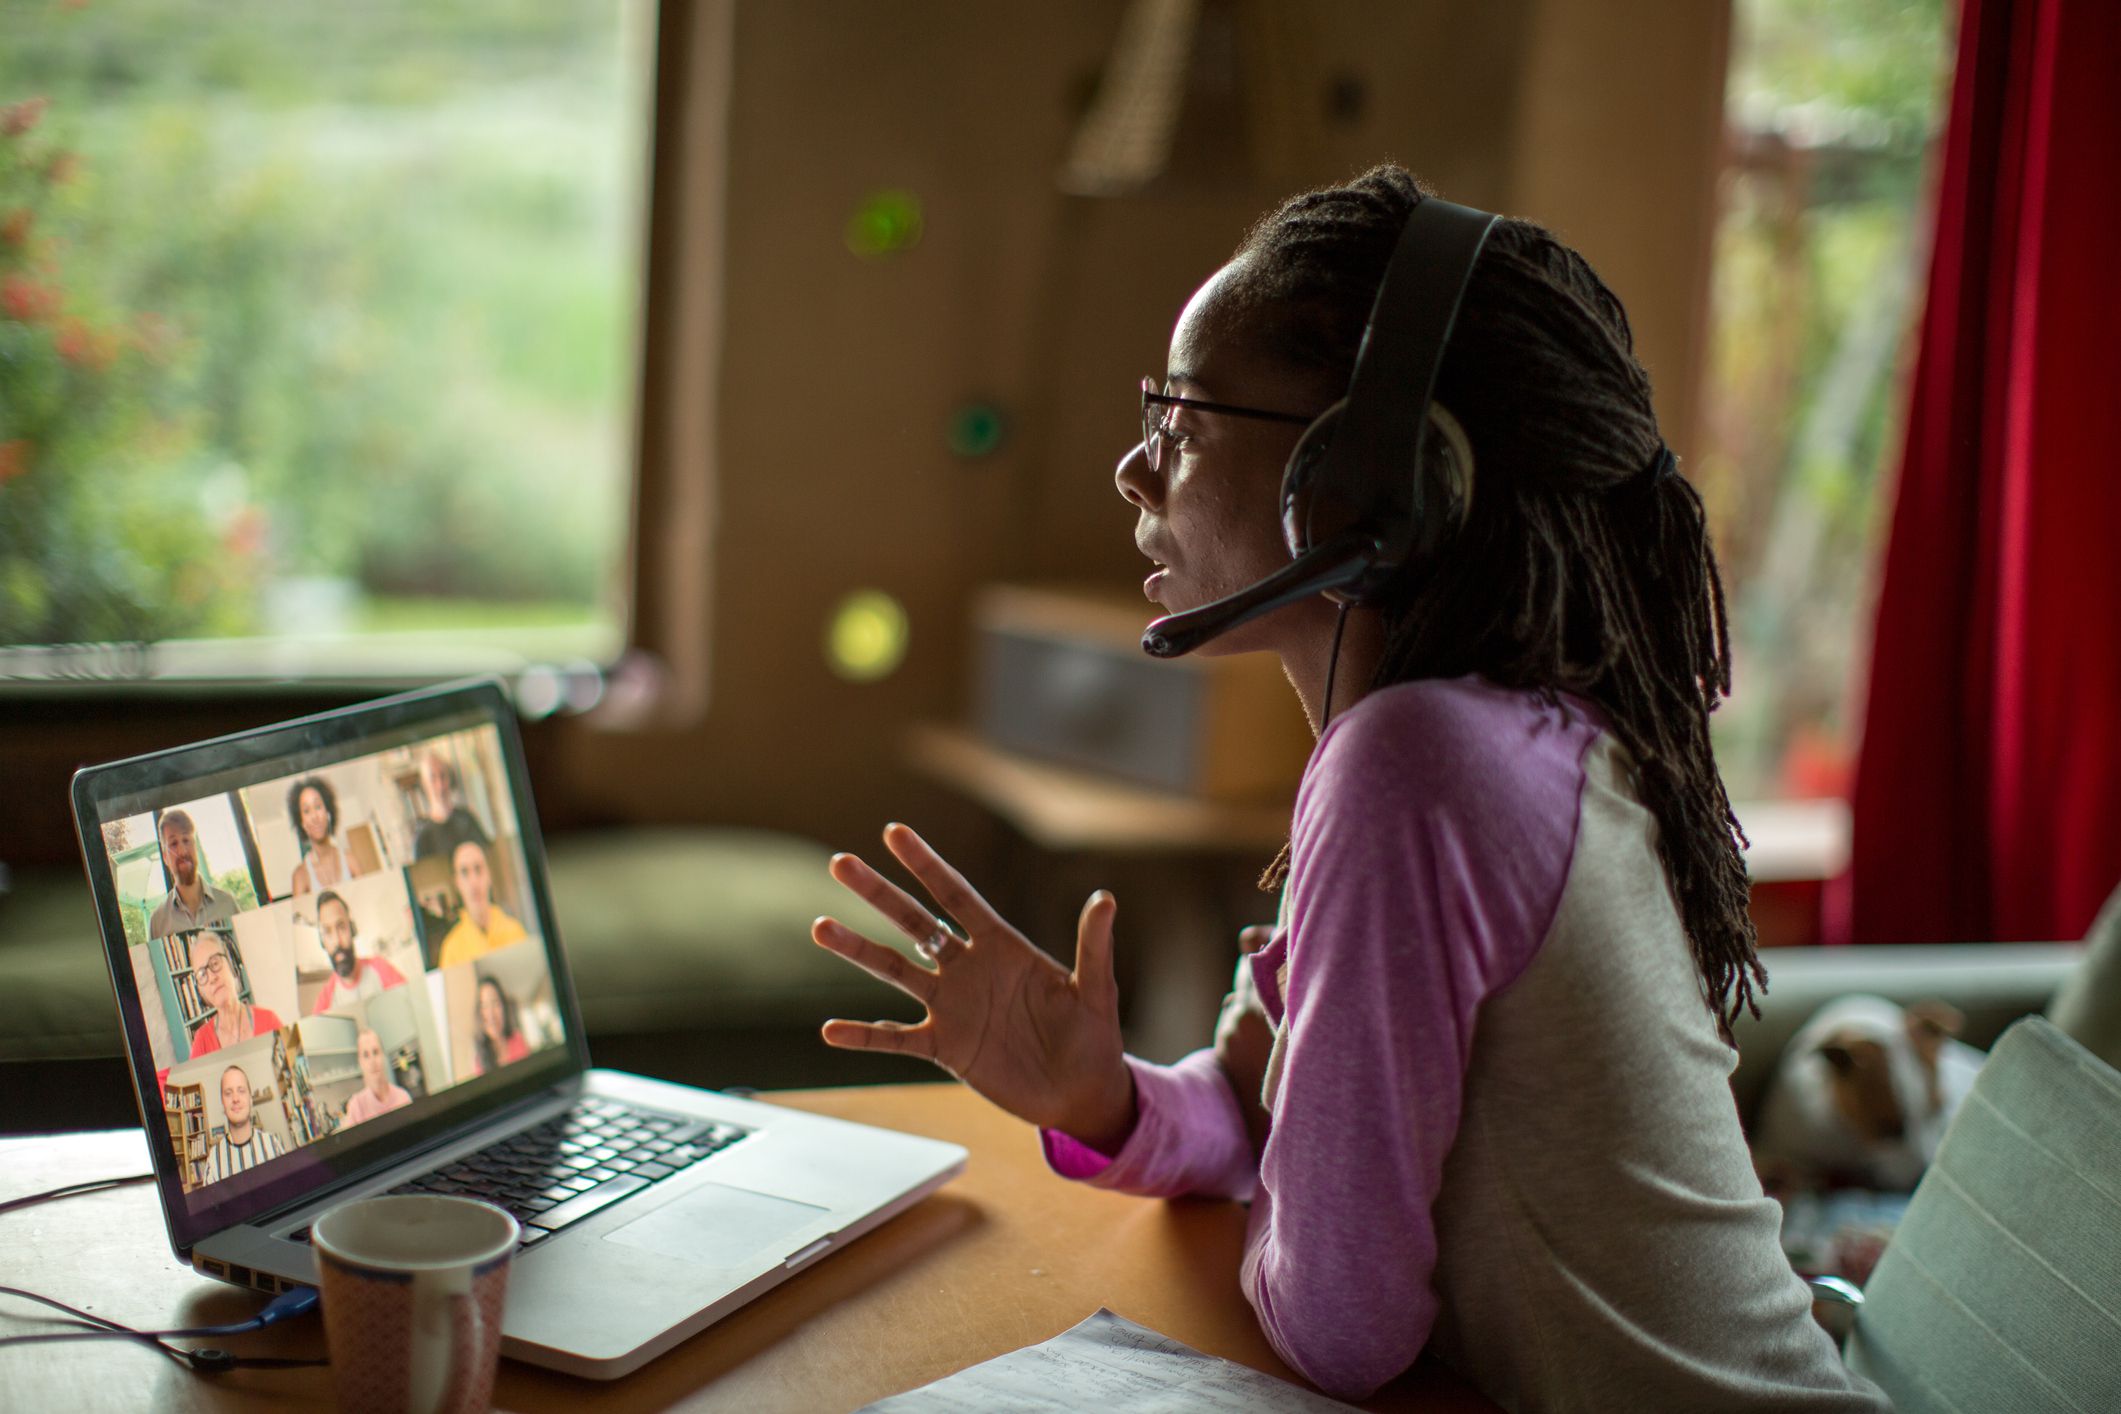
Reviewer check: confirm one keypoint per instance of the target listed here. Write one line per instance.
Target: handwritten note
(1110, 1364)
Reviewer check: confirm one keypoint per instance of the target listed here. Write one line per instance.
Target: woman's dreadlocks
(1581, 568)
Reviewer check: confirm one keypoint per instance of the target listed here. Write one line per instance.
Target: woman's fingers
(895, 1037)
(875, 959)
(1252, 939)
(914, 919)
(943, 883)
(1093, 948)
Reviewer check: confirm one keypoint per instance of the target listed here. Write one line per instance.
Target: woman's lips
(1154, 581)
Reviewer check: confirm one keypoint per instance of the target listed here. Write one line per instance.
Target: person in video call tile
(352, 978)
(192, 901)
(243, 1143)
(447, 823)
(377, 1094)
(313, 807)
(213, 967)
(500, 1037)
(484, 926)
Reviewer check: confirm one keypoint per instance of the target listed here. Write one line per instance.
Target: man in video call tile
(448, 824)
(243, 1143)
(352, 978)
(484, 926)
(192, 901)
(378, 1093)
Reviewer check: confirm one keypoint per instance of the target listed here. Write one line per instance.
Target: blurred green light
(977, 429)
(885, 223)
(865, 641)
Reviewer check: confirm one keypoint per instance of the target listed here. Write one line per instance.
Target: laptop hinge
(272, 1216)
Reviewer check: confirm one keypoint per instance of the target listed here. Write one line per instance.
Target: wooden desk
(1006, 1256)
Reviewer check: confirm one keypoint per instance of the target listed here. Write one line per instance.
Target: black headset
(1358, 502)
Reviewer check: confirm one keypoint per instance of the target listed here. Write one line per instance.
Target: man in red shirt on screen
(352, 978)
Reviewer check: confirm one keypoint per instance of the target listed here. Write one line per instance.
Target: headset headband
(1387, 420)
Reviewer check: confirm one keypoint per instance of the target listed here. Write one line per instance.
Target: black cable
(87, 1316)
(109, 1328)
(92, 1185)
(296, 1301)
(1340, 625)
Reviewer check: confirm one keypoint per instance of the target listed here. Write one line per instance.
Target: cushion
(55, 996)
(2087, 1009)
(2001, 1288)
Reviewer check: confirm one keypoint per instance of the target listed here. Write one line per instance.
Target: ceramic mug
(412, 1289)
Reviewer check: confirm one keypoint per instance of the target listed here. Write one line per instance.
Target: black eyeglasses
(1156, 428)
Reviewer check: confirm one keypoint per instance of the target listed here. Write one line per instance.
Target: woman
(378, 1094)
(500, 1040)
(313, 808)
(1512, 818)
(214, 964)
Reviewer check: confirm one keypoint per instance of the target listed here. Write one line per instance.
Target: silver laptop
(340, 974)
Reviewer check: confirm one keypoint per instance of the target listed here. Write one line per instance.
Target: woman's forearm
(1189, 1137)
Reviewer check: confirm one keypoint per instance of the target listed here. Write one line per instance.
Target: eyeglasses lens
(1152, 426)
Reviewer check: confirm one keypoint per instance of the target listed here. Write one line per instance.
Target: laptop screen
(327, 948)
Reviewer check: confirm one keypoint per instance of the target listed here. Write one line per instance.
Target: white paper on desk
(1110, 1364)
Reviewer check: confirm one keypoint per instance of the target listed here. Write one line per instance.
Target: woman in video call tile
(484, 925)
(313, 808)
(213, 959)
(500, 1038)
(377, 1094)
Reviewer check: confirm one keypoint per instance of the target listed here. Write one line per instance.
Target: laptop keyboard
(576, 1164)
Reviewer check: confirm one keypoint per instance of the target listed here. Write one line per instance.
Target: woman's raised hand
(1038, 1040)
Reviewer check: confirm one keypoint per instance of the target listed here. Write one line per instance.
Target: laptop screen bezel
(289, 746)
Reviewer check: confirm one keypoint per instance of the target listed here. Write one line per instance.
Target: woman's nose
(1137, 480)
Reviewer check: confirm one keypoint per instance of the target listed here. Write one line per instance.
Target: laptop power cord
(209, 1360)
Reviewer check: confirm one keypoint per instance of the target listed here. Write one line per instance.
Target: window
(1835, 111)
(317, 333)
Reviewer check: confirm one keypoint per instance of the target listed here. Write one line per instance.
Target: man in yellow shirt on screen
(484, 925)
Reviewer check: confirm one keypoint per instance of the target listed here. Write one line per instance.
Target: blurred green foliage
(237, 884)
(1835, 110)
(1867, 68)
(365, 280)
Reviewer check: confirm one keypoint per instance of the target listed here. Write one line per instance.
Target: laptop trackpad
(717, 1226)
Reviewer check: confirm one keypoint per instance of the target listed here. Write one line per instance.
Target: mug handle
(467, 1338)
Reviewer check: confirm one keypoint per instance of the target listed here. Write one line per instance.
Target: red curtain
(1987, 801)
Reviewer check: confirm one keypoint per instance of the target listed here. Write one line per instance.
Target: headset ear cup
(1447, 498)
(1300, 477)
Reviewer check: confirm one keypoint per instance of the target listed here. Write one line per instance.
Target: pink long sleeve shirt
(1448, 836)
